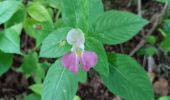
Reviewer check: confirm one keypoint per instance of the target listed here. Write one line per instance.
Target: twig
(156, 20)
(139, 7)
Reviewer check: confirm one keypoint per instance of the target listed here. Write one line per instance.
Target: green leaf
(165, 44)
(7, 9)
(115, 27)
(38, 30)
(55, 44)
(32, 97)
(10, 41)
(148, 51)
(59, 84)
(17, 18)
(128, 79)
(164, 98)
(54, 3)
(94, 45)
(47, 28)
(75, 13)
(5, 62)
(30, 63)
(82, 76)
(36, 88)
(95, 9)
(166, 26)
(38, 12)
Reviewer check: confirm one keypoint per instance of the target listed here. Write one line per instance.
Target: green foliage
(165, 44)
(38, 12)
(9, 38)
(59, 84)
(32, 97)
(31, 66)
(164, 98)
(55, 44)
(148, 51)
(36, 88)
(102, 66)
(166, 26)
(7, 9)
(115, 27)
(5, 62)
(75, 13)
(127, 79)
(82, 76)
(151, 39)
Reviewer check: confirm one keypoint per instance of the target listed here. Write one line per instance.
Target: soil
(14, 85)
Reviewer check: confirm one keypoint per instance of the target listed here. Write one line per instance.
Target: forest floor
(13, 83)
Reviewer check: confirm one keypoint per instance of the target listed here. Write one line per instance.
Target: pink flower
(78, 56)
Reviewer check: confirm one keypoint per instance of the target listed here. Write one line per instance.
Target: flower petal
(70, 61)
(88, 60)
(75, 37)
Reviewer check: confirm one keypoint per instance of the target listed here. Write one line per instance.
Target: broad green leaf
(115, 27)
(17, 18)
(59, 84)
(7, 9)
(165, 44)
(5, 62)
(94, 45)
(10, 41)
(128, 79)
(75, 13)
(38, 12)
(55, 44)
(95, 9)
(32, 97)
(30, 63)
(81, 76)
(36, 88)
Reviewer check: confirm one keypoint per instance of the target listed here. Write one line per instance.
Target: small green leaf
(148, 51)
(128, 79)
(5, 62)
(55, 44)
(10, 41)
(38, 12)
(54, 3)
(30, 63)
(59, 84)
(165, 44)
(32, 97)
(94, 45)
(7, 9)
(36, 88)
(115, 27)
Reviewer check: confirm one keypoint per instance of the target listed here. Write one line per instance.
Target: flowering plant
(80, 43)
(73, 32)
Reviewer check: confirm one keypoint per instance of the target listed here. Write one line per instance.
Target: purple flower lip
(87, 60)
(78, 56)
